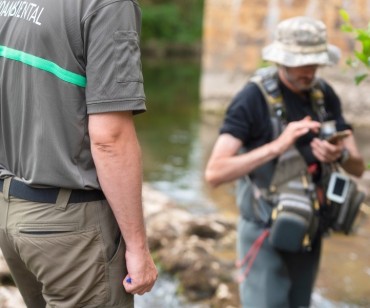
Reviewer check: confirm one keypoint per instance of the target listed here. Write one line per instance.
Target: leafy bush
(362, 57)
(362, 36)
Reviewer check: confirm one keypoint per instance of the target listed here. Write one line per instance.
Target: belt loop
(6, 187)
(62, 199)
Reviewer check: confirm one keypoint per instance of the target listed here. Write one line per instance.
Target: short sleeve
(334, 108)
(247, 118)
(112, 52)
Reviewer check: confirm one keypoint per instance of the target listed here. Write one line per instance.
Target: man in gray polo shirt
(70, 162)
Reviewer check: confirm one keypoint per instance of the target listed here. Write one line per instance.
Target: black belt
(49, 195)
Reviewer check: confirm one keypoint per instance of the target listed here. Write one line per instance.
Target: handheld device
(337, 136)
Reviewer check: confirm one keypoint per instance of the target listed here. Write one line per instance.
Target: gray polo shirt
(61, 60)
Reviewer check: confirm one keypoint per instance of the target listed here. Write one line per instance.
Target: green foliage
(172, 21)
(362, 35)
(363, 57)
(160, 22)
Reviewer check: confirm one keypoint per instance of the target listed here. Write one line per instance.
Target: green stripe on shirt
(44, 65)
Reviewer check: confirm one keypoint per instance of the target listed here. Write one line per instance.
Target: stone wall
(236, 30)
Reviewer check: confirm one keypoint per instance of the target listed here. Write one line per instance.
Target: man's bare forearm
(119, 172)
(117, 157)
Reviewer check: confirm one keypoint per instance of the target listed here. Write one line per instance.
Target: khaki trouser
(63, 255)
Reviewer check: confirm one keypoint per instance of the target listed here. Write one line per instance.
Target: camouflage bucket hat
(301, 41)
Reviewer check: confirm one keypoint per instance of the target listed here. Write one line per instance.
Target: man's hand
(142, 272)
(325, 151)
(293, 131)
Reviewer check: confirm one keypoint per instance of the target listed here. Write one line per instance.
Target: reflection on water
(169, 132)
(176, 141)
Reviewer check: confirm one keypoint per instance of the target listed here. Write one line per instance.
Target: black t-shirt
(248, 118)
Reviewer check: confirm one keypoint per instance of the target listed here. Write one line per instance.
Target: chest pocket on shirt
(127, 57)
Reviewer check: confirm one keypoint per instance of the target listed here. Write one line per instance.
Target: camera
(344, 202)
(328, 129)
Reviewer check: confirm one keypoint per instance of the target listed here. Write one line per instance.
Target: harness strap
(267, 81)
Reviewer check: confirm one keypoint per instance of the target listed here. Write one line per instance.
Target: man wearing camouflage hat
(271, 142)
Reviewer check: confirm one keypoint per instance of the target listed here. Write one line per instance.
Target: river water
(176, 141)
